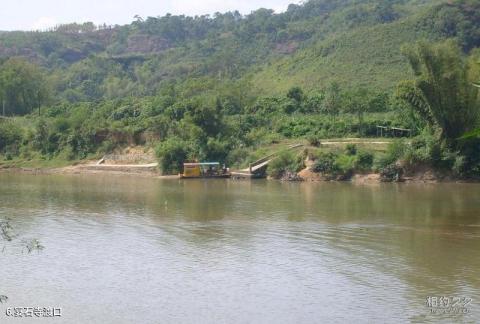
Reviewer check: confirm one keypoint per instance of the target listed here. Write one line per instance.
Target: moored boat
(204, 170)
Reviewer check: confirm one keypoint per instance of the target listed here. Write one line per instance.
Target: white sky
(41, 14)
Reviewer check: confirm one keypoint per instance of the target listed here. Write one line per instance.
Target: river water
(134, 250)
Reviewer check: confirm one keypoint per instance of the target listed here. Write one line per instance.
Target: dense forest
(218, 87)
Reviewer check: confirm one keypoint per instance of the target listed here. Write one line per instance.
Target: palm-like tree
(441, 91)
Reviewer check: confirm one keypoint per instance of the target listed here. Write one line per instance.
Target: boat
(204, 170)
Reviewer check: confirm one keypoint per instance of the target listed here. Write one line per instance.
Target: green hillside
(368, 56)
(349, 41)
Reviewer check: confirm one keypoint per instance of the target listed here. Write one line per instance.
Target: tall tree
(331, 103)
(441, 91)
(23, 86)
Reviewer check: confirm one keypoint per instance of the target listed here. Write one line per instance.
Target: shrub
(10, 134)
(345, 165)
(285, 162)
(391, 173)
(258, 136)
(216, 150)
(290, 106)
(237, 156)
(171, 154)
(61, 125)
(351, 149)
(325, 163)
(459, 165)
(67, 154)
(272, 138)
(364, 160)
(424, 149)
(79, 142)
(295, 93)
(107, 147)
(314, 140)
(395, 151)
(340, 166)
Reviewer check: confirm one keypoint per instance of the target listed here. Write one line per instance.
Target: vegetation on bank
(203, 88)
(444, 98)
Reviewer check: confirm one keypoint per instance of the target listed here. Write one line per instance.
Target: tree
(314, 102)
(10, 135)
(359, 102)
(331, 103)
(207, 116)
(441, 92)
(459, 19)
(295, 93)
(23, 86)
(172, 153)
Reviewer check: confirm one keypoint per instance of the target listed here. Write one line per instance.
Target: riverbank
(89, 168)
(141, 162)
(421, 175)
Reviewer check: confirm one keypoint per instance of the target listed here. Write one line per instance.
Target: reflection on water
(128, 250)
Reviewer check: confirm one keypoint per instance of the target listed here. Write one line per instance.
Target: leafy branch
(7, 235)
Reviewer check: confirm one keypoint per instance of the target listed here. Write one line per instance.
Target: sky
(42, 14)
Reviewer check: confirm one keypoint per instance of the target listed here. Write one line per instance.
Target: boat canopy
(202, 164)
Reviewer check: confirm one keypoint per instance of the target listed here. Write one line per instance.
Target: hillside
(348, 41)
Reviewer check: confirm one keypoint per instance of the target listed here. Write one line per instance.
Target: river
(121, 249)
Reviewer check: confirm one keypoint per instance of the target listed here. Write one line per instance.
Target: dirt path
(352, 142)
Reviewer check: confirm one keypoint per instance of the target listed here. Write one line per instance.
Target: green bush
(364, 161)
(237, 156)
(10, 134)
(314, 140)
(351, 149)
(391, 173)
(459, 165)
(216, 150)
(395, 151)
(286, 161)
(107, 147)
(345, 164)
(67, 154)
(425, 149)
(341, 165)
(325, 163)
(80, 143)
(171, 154)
